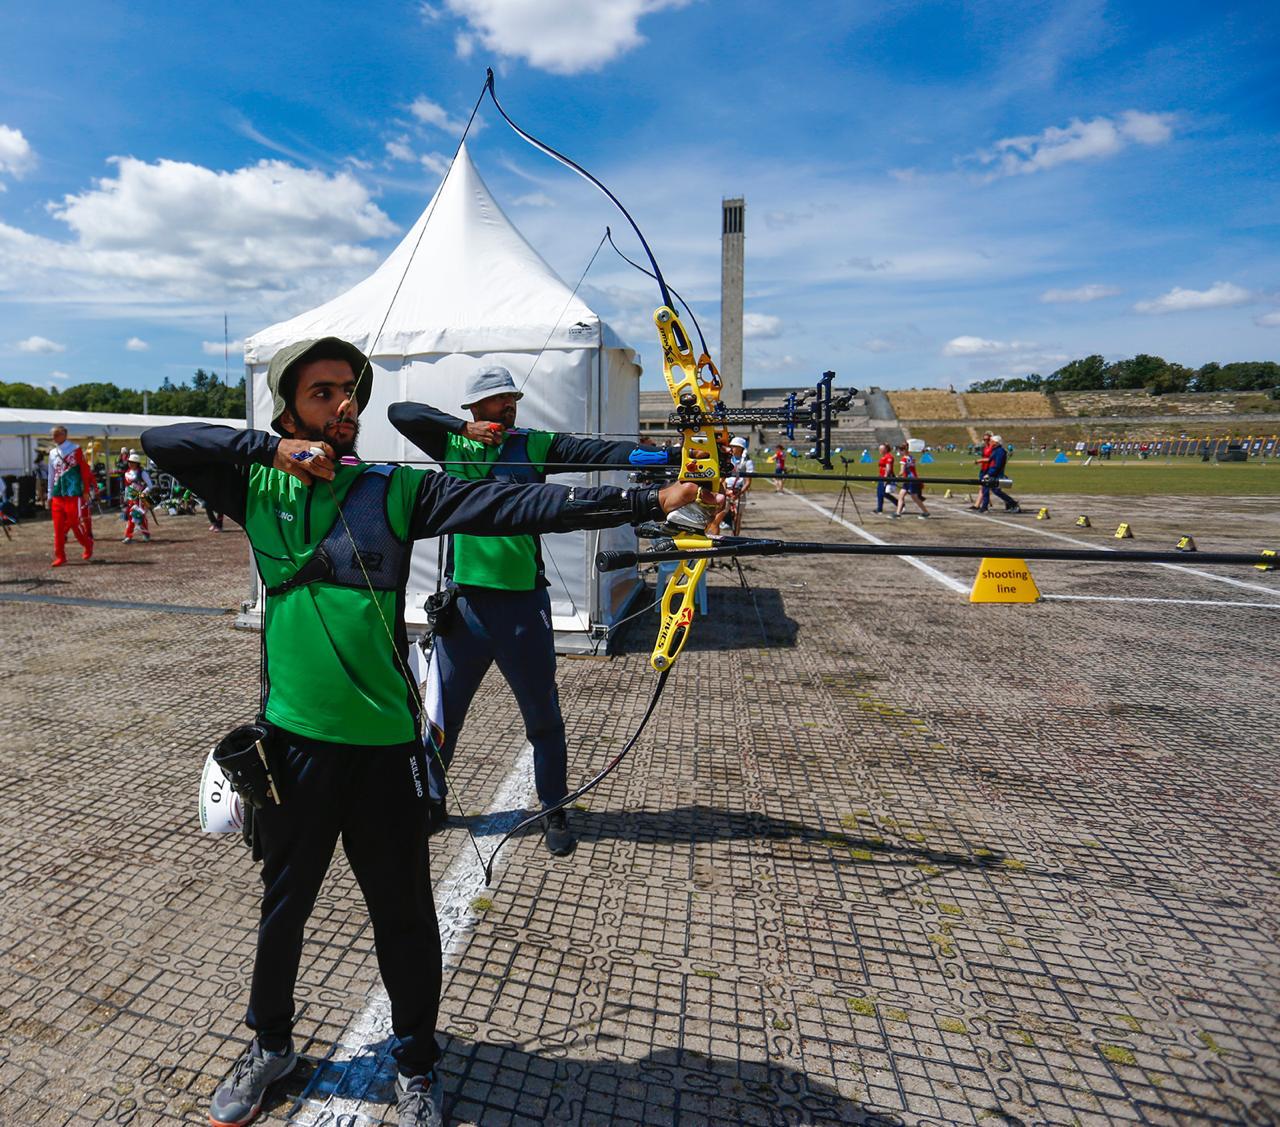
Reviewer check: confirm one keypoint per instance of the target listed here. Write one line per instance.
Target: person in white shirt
(737, 484)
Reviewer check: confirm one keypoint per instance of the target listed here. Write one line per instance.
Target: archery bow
(694, 384)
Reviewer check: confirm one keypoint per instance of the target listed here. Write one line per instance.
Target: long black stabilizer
(742, 546)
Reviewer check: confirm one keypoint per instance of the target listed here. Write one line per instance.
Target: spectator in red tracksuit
(886, 474)
(71, 485)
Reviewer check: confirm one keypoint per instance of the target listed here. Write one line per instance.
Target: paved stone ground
(883, 857)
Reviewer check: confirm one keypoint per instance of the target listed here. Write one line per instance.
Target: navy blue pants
(512, 628)
(992, 485)
(881, 486)
(371, 798)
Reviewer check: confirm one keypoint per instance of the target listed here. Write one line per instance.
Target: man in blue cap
(503, 611)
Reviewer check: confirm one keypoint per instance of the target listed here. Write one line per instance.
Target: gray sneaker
(559, 837)
(239, 1097)
(419, 1100)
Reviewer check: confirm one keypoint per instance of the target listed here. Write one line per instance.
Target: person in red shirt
(984, 463)
(779, 468)
(911, 485)
(886, 474)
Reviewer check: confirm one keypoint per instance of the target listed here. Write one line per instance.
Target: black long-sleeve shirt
(214, 462)
(517, 564)
(429, 429)
(335, 651)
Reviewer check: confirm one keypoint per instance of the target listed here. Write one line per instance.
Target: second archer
(503, 610)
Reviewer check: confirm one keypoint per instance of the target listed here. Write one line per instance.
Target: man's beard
(341, 448)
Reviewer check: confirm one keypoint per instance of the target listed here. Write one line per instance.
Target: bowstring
(568, 302)
(366, 369)
(407, 673)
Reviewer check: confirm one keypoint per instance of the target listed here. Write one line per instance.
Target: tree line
(1154, 373)
(206, 396)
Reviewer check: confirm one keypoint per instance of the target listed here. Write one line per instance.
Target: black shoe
(559, 838)
(1013, 508)
(437, 815)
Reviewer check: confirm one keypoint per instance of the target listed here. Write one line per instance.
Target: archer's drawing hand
(305, 458)
(491, 434)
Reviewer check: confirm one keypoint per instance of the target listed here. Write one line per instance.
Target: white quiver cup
(220, 809)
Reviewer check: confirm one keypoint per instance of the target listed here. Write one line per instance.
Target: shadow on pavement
(736, 617)
(693, 824)
(669, 1085)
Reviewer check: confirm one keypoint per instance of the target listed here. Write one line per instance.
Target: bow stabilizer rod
(705, 548)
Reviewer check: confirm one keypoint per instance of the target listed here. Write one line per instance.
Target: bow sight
(813, 408)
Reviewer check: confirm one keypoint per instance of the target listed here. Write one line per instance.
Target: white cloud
(980, 346)
(435, 162)
(59, 377)
(16, 155)
(40, 344)
(761, 326)
(780, 220)
(398, 149)
(172, 231)
(1081, 140)
(536, 199)
(136, 344)
(764, 361)
(1177, 300)
(560, 36)
(871, 265)
(432, 114)
(215, 347)
(1079, 294)
(879, 344)
(1268, 320)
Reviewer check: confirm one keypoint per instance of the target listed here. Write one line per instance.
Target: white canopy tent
(462, 289)
(21, 427)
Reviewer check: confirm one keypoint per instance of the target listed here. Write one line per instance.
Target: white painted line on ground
(354, 1077)
(1107, 548)
(963, 589)
(932, 572)
(1173, 602)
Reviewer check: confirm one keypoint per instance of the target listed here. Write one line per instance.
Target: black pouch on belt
(442, 610)
(245, 756)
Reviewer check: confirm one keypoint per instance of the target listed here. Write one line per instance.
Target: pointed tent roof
(473, 285)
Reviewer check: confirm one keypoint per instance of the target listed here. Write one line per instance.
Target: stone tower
(731, 245)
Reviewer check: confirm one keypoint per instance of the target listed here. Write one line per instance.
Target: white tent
(20, 427)
(465, 288)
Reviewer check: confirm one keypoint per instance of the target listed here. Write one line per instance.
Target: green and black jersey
(335, 647)
(506, 563)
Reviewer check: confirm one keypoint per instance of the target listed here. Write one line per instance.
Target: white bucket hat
(493, 380)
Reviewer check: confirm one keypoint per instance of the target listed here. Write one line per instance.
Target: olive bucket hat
(293, 355)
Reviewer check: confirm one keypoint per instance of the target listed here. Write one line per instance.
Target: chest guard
(377, 559)
(513, 463)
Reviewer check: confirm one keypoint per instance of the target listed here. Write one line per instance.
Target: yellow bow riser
(677, 605)
(699, 452)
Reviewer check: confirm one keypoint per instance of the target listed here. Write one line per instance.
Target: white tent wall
(565, 390)
(620, 410)
(464, 288)
(17, 455)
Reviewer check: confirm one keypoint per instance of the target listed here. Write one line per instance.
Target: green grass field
(1188, 477)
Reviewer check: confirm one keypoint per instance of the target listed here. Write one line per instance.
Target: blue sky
(936, 192)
